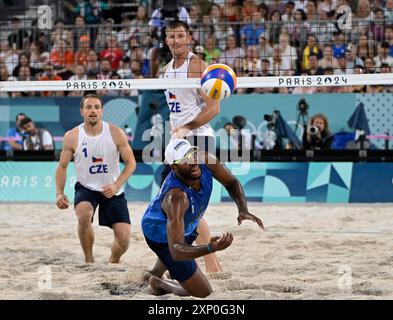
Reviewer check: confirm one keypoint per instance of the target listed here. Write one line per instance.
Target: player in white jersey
(95, 146)
(190, 113)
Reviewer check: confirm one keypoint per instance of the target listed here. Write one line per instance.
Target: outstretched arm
(233, 186)
(175, 204)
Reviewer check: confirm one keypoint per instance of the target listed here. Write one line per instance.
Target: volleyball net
(258, 39)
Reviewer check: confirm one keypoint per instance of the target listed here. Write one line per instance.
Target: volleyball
(218, 81)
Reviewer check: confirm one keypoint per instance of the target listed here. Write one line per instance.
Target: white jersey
(184, 104)
(96, 159)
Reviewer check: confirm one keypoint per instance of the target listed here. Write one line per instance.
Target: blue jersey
(154, 220)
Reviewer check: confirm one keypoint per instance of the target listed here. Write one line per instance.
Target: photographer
(36, 138)
(317, 135)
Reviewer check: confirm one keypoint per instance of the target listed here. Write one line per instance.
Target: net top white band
(154, 84)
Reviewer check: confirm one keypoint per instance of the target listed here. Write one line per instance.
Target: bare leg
(121, 242)
(196, 286)
(158, 270)
(211, 261)
(84, 212)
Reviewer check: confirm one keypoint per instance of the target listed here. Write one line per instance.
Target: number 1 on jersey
(84, 150)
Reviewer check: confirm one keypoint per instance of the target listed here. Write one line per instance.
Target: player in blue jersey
(170, 222)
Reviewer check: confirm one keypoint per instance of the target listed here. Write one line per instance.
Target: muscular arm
(65, 157)
(197, 66)
(233, 186)
(126, 154)
(175, 204)
(61, 172)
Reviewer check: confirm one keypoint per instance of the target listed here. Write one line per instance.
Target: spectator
(299, 29)
(278, 63)
(251, 63)
(15, 133)
(221, 28)
(139, 55)
(126, 32)
(274, 27)
(328, 61)
(124, 70)
(327, 5)
(389, 38)
(339, 45)
(90, 10)
(232, 11)
(19, 38)
(383, 55)
(288, 52)
(140, 26)
(358, 69)
(105, 69)
(60, 33)
(369, 64)
(315, 69)
(82, 53)
(385, 68)
(200, 52)
(252, 29)
(388, 10)
(264, 48)
(212, 52)
(62, 56)
(24, 61)
(79, 31)
(8, 56)
(352, 60)
(342, 66)
(36, 138)
(104, 31)
(158, 18)
(317, 135)
(195, 23)
(80, 73)
(249, 7)
(311, 46)
(288, 17)
(325, 29)
(364, 15)
(232, 52)
(365, 47)
(377, 26)
(92, 63)
(301, 4)
(277, 5)
(4, 76)
(312, 16)
(50, 75)
(204, 30)
(112, 52)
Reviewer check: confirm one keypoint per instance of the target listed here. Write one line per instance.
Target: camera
(313, 130)
(303, 106)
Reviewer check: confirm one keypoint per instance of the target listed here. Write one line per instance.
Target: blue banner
(341, 182)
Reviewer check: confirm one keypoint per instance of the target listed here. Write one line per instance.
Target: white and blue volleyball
(218, 81)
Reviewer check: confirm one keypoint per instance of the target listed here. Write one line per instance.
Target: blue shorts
(179, 270)
(110, 211)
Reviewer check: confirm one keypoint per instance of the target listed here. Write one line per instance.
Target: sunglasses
(187, 159)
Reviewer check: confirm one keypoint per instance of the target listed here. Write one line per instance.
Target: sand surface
(306, 252)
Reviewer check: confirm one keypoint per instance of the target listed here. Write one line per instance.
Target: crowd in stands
(254, 37)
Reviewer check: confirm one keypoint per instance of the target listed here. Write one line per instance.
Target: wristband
(209, 248)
